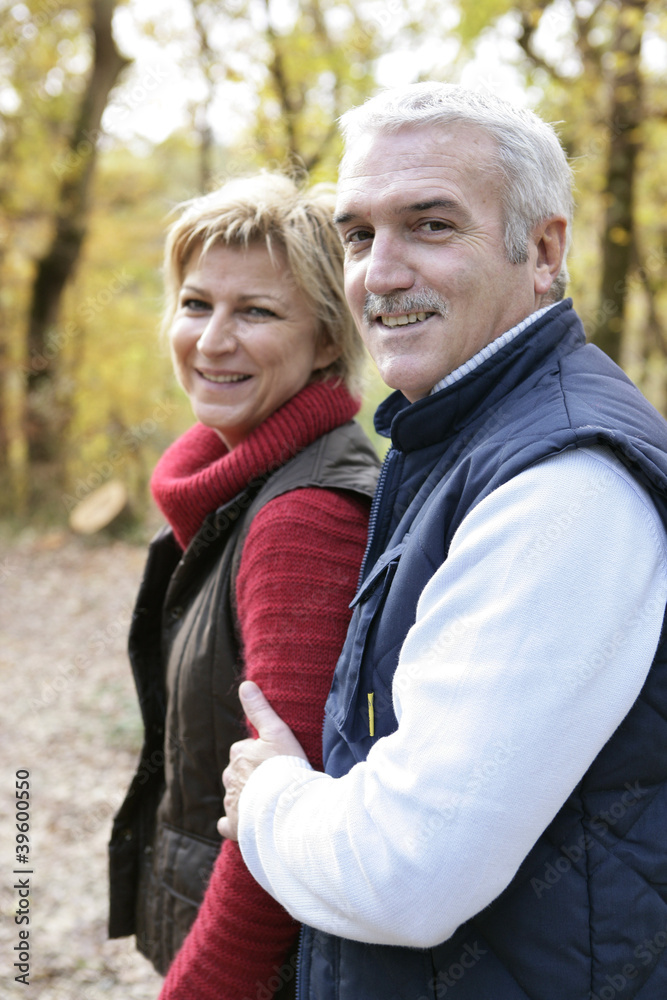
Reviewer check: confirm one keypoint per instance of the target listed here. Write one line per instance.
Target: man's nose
(388, 270)
(218, 335)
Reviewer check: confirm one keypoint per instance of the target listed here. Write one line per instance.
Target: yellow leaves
(620, 236)
(625, 93)
(475, 17)
(632, 16)
(532, 16)
(319, 65)
(234, 76)
(327, 50)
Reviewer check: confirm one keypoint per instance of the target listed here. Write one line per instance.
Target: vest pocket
(360, 701)
(185, 863)
(174, 879)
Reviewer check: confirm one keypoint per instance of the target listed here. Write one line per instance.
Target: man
(491, 823)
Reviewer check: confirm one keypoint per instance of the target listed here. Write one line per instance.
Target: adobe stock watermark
(500, 753)
(29, 23)
(572, 853)
(102, 811)
(70, 159)
(555, 530)
(281, 975)
(447, 638)
(580, 672)
(437, 650)
(68, 674)
(134, 96)
(382, 17)
(58, 338)
(129, 442)
(244, 156)
(593, 319)
(7, 568)
(213, 527)
(411, 671)
(598, 145)
(447, 979)
(646, 953)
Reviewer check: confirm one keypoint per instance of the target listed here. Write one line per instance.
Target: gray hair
(538, 178)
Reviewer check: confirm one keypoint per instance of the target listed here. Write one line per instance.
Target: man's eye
(359, 236)
(435, 225)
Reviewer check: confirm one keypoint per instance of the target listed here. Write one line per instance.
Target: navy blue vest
(585, 917)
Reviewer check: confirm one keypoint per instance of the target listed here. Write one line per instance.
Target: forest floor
(68, 715)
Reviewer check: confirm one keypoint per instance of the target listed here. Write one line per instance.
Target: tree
(589, 61)
(57, 265)
(83, 269)
(39, 98)
(212, 69)
(48, 140)
(317, 68)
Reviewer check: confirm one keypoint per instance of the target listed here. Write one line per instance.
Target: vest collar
(417, 425)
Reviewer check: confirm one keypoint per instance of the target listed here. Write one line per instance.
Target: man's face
(426, 272)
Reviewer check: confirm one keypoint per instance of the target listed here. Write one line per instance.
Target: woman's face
(243, 339)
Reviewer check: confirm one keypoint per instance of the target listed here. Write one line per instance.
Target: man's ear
(549, 239)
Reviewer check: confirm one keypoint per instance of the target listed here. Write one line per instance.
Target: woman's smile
(222, 378)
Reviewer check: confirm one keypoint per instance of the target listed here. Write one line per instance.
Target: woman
(267, 499)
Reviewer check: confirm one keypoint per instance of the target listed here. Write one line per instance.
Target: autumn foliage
(86, 390)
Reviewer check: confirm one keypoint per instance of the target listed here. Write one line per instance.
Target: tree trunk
(46, 415)
(625, 124)
(208, 60)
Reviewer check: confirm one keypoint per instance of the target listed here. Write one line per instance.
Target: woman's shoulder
(307, 526)
(311, 507)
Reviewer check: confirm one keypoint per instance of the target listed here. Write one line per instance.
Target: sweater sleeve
(531, 644)
(297, 576)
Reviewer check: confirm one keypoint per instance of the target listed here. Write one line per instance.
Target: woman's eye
(194, 305)
(260, 311)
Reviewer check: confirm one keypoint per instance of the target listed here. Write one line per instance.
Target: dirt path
(68, 715)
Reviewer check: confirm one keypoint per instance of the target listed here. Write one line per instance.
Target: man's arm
(530, 646)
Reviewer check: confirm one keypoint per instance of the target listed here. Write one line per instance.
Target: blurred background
(111, 113)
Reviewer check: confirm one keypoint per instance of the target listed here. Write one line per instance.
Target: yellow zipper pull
(371, 715)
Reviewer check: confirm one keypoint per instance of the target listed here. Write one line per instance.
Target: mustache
(425, 300)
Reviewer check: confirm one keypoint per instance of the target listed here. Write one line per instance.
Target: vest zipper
(297, 977)
(375, 510)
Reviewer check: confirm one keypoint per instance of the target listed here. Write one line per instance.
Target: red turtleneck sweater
(297, 576)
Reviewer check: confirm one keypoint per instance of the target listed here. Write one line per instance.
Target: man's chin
(412, 388)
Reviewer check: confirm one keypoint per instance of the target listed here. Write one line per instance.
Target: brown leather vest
(184, 650)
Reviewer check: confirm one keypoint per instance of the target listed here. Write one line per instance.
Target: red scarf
(197, 473)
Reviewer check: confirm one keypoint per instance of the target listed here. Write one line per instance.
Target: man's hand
(275, 739)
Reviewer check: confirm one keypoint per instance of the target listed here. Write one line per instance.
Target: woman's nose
(217, 337)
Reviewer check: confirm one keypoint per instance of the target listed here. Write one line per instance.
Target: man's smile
(404, 319)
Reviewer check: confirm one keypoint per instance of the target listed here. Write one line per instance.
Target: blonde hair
(271, 208)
